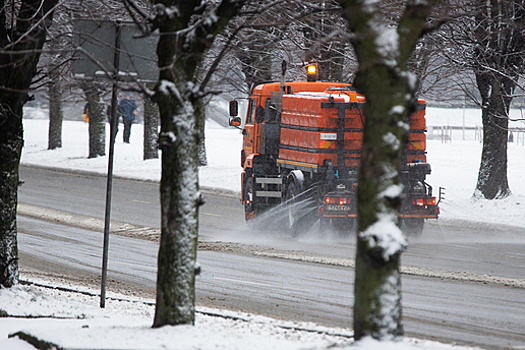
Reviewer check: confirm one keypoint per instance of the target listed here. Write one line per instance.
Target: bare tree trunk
(492, 177)
(201, 120)
(178, 103)
(179, 201)
(332, 63)
(11, 141)
(498, 63)
(18, 66)
(151, 130)
(55, 113)
(384, 80)
(178, 189)
(97, 127)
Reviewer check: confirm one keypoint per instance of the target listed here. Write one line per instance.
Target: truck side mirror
(234, 109)
(235, 121)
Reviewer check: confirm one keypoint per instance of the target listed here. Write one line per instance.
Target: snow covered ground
(78, 322)
(75, 321)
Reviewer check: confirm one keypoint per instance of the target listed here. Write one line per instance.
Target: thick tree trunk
(179, 201)
(97, 127)
(55, 114)
(498, 63)
(178, 99)
(11, 141)
(382, 53)
(377, 306)
(151, 130)
(18, 66)
(492, 177)
(177, 256)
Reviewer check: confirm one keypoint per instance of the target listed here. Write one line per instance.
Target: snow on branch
(168, 88)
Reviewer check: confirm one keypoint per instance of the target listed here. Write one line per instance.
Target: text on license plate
(332, 207)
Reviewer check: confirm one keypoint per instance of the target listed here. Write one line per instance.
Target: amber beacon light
(311, 72)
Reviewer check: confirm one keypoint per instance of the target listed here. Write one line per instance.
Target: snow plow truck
(301, 144)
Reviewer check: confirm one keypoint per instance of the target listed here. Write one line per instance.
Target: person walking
(128, 110)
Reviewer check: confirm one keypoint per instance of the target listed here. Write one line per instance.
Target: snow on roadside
(78, 322)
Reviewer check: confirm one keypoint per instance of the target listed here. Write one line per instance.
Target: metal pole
(112, 131)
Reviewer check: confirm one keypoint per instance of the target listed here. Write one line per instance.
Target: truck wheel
(291, 193)
(248, 195)
(413, 226)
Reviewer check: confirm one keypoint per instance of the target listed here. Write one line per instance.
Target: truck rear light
(418, 202)
(421, 202)
(338, 200)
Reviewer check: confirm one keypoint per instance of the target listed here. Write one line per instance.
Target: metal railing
(446, 133)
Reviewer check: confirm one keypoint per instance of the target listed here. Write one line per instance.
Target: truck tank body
(310, 129)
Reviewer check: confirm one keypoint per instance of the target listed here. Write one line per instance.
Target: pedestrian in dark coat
(128, 110)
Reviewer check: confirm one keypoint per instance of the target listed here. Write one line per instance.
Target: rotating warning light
(311, 72)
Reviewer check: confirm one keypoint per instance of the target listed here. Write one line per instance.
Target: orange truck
(301, 151)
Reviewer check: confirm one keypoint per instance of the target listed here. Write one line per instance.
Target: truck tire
(291, 205)
(413, 226)
(248, 195)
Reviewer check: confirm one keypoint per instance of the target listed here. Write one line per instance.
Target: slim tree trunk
(97, 119)
(151, 129)
(97, 127)
(201, 120)
(55, 113)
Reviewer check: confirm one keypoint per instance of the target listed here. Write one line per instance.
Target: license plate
(337, 207)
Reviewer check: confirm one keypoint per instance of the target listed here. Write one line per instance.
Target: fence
(447, 133)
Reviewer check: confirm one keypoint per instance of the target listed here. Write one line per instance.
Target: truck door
(249, 138)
